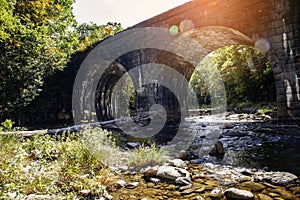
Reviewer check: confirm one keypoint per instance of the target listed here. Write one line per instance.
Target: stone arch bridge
(271, 25)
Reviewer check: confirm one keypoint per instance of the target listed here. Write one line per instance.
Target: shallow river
(270, 145)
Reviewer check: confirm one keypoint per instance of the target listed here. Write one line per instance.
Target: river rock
(121, 183)
(279, 178)
(212, 135)
(216, 193)
(264, 197)
(254, 187)
(132, 185)
(183, 155)
(218, 150)
(132, 145)
(177, 163)
(179, 175)
(233, 133)
(227, 126)
(237, 194)
(295, 189)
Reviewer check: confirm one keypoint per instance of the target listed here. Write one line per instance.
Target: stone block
(281, 98)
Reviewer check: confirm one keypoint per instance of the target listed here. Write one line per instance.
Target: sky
(126, 12)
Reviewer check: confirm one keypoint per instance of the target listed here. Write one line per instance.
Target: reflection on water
(276, 152)
(272, 146)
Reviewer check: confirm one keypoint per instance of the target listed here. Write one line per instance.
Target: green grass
(57, 165)
(145, 156)
(69, 166)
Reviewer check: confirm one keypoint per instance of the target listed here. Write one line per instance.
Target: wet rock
(197, 161)
(227, 126)
(179, 175)
(264, 197)
(233, 133)
(252, 186)
(187, 191)
(267, 118)
(177, 163)
(218, 150)
(211, 183)
(212, 135)
(183, 181)
(150, 185)
(132, 185)
(132, 145)
(284, 193)
(121, 183)
(183, 155)
(216, 193)
(237, 194)
(279, 178)
(171, 187)
(295, 189)
(247, 172)
(154, 180)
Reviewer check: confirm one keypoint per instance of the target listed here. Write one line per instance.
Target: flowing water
(270, 145)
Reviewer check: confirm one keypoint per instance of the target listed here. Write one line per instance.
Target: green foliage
(101, 144)
(245, 71)
(265, 111)
(69, 166)
(247, 74)
(36, 39)
(89, 34)
(145, 156)
(54, 165)
(7, 125)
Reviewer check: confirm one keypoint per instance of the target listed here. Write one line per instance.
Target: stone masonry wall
(276, 21)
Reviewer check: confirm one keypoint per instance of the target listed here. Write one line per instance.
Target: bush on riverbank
(50, 165)
(64, 165)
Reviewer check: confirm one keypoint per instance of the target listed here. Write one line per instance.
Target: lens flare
(263, 45)
(174, 30)
(186, 25)
(152, 80)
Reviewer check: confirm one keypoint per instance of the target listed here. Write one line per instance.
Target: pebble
(121, 183)
(237, 194)
(132, 185)
(209, 181)
(264, 197)
(177, 163)
(254, 187)
(187, 191)
(216, 193)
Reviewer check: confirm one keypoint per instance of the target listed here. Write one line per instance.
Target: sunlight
(126, 12)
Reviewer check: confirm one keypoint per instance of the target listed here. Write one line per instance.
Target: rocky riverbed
(261, 162)
(205, 181)
(254, 158)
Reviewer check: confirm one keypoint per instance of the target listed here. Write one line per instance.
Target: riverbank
(210, 181)
(59, 166)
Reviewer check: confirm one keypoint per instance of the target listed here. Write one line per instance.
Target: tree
(246, 74)
(36, 39)
(89, 34)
